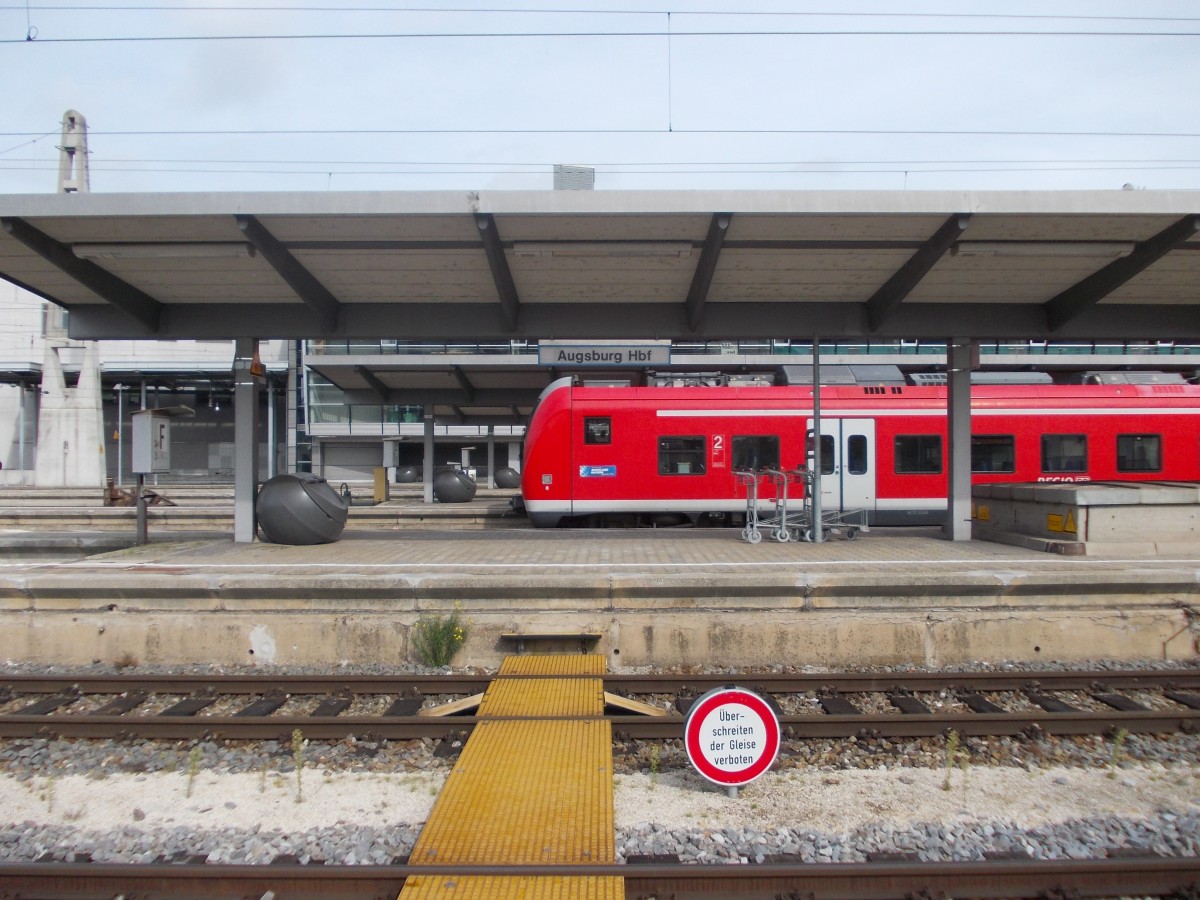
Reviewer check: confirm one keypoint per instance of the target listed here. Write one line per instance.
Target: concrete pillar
(960, 354)
(245, 442)
(70, 426)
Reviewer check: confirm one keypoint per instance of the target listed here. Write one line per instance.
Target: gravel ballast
(363, 803)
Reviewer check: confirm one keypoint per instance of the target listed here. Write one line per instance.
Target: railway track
(234, 707)
(1135, 876)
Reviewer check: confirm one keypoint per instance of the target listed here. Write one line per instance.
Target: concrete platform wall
(1027, 622)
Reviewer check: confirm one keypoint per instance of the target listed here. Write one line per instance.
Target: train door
(847, 463)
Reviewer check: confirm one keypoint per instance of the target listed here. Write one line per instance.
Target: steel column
(818, 531)
(271, 449)
(245, 442)
(427, 468)
(491, 456)
(959, 355)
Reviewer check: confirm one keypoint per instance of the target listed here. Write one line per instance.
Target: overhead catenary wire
(654, 33)
(826, 170)
(407, 8)
(876, 132)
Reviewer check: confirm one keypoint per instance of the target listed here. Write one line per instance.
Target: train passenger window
(681, 455)
(754, 451)
(827, 452)
(597, 429)
(993, 453)
(1064, 452)
(918, 454)
(856, 454)
(1139, 453)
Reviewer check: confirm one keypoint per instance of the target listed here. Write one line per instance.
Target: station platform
(666, 597)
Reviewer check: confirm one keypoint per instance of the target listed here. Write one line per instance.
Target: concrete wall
(1130, 519)
(1053, 622)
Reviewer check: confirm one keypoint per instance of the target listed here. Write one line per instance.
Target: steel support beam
(718, 227)
(464, 382)
(381, 391)
(650, 321)
(122, 295)
(314, 294)
(1081, 297)
(909, 275)
(506, 288)
(497, 398)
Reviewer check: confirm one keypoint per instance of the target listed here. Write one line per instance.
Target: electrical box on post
(152, 439)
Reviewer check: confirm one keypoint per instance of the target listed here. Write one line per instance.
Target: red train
(665, 455)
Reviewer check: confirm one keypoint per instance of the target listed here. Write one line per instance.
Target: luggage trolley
(848, 523)
(799, 523)
(789, 520)
(785, 526)
(771, 514)
(749, 479)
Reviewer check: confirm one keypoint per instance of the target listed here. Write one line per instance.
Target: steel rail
(624, 726)
(772, 682)
(868, 682)
(1134, 876)
(247, 684)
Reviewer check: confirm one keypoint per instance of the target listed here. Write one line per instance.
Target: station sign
(604, 354)
(731, 736)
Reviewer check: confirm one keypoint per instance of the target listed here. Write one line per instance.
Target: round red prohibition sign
(731, 736)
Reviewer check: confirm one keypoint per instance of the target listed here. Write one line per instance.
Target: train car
(665, 455)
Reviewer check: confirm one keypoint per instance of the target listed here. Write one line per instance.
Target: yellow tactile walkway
(528, 791)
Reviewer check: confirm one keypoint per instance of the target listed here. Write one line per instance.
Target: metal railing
(766, 348)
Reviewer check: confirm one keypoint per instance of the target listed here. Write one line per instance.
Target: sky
(214, 95)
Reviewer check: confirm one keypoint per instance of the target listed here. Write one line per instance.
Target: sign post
(731, 736)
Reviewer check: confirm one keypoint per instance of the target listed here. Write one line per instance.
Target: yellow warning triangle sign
(1069, 524)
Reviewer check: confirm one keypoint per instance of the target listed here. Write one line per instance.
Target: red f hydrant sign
(731, 735)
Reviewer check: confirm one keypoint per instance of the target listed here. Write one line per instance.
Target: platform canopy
(680, 265)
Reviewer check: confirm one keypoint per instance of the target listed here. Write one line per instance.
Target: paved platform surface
(505, 562)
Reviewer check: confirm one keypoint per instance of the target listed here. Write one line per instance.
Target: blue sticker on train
(597, 471)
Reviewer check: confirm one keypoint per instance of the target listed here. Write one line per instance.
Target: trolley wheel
(851, 533)
(751, 535)
(796, 534)
(807, 535)
(780, 535)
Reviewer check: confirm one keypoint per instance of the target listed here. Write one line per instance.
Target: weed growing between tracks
(1117, 751)
(298, 744)
(435, 639)
(193, 768)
